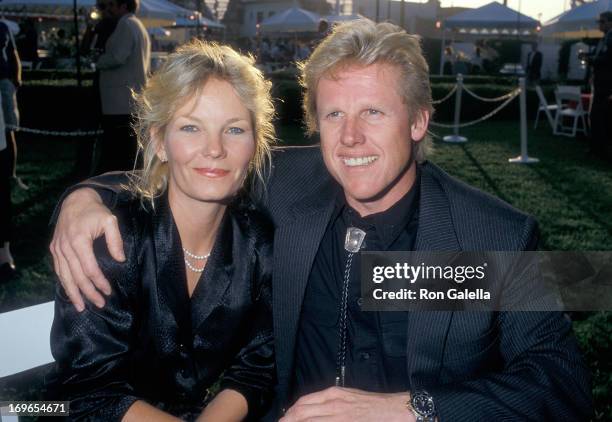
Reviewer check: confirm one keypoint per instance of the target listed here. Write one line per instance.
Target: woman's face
(209, 144)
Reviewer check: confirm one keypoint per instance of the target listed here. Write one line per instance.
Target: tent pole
(78, 47)
(442, 51)
(198, 22)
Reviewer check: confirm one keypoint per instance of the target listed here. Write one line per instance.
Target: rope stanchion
(446, 97)
(515, 93)
(455, 138)
(55, 132)
(488, 100)
(524, 158)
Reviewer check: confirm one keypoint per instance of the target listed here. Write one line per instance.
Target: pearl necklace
(194, 256)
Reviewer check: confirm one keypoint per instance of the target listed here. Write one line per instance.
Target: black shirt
(376, 341)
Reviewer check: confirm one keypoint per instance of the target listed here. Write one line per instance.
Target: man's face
(366, 135)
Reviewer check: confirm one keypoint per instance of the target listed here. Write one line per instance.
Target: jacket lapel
(295, 245)
(216, 278)
(427, 330)
(169, 264)
(213, 283)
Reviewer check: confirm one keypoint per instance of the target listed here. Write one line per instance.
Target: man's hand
(82, 219)
(350, 405)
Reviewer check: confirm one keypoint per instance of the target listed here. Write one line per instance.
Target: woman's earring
(164, 159)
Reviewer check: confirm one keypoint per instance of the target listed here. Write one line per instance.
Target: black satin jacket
(136, 349)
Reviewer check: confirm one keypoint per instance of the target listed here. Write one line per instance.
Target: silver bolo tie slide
(352, 244)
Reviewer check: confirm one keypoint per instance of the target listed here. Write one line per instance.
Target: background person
(10, 80)
(534, 64)
(124, 66)
(93, 45)
(601, 105)
(192, 299)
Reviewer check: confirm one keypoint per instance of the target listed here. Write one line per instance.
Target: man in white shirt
(124, 67)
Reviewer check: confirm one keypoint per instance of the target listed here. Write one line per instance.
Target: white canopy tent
(493, 20)
(183, 22)
(165, 6)
(579, 22)
(292, 20)
(342, 18)
(152, 12)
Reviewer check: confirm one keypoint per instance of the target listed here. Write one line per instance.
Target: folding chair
(548, 110)
(569, 106)
(25, 341)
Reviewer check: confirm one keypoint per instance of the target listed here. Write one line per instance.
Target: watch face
(423, 404)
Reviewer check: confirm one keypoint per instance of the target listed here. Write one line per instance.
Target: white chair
(569, 106)
(549, 110)
(25, 341)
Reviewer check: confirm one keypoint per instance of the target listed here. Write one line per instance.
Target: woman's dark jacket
(151, 342)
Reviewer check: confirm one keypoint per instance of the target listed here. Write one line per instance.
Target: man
(93, 44)
(601, 106)
(10, 80)
(123, 67)
(367, 93)
(534, 64)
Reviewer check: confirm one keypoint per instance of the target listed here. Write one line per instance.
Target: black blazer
(534, 68)
(479, 366)
(134, 348)
(602, 66)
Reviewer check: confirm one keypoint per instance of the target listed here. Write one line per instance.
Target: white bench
(25, 341)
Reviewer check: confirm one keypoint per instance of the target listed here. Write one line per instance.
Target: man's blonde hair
(180, 79)
(362, 42)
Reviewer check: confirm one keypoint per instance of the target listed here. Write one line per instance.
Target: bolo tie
(352, 244)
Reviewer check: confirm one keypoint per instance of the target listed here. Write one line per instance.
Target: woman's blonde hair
(363, 42)
(182, 77)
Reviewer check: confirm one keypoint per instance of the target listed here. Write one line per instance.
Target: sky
(533, 8)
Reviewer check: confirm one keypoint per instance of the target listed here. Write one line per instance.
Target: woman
(192, 299)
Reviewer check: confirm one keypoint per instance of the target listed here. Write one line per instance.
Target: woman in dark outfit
(191, 302)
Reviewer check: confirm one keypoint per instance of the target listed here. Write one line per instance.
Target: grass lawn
(569, 192)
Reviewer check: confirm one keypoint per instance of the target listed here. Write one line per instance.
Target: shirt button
(360, 301)
(365, 355)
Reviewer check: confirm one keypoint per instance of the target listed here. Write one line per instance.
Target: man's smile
(359, 161)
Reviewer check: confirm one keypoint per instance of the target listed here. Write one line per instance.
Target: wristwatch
(422, 405)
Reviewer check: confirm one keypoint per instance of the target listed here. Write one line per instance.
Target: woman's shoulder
(133, 216)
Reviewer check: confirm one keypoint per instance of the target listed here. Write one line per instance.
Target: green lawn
(569, 192)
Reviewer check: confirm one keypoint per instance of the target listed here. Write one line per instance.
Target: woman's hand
(82, 219)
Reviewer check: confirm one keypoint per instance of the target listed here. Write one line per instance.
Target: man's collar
(388, 224)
